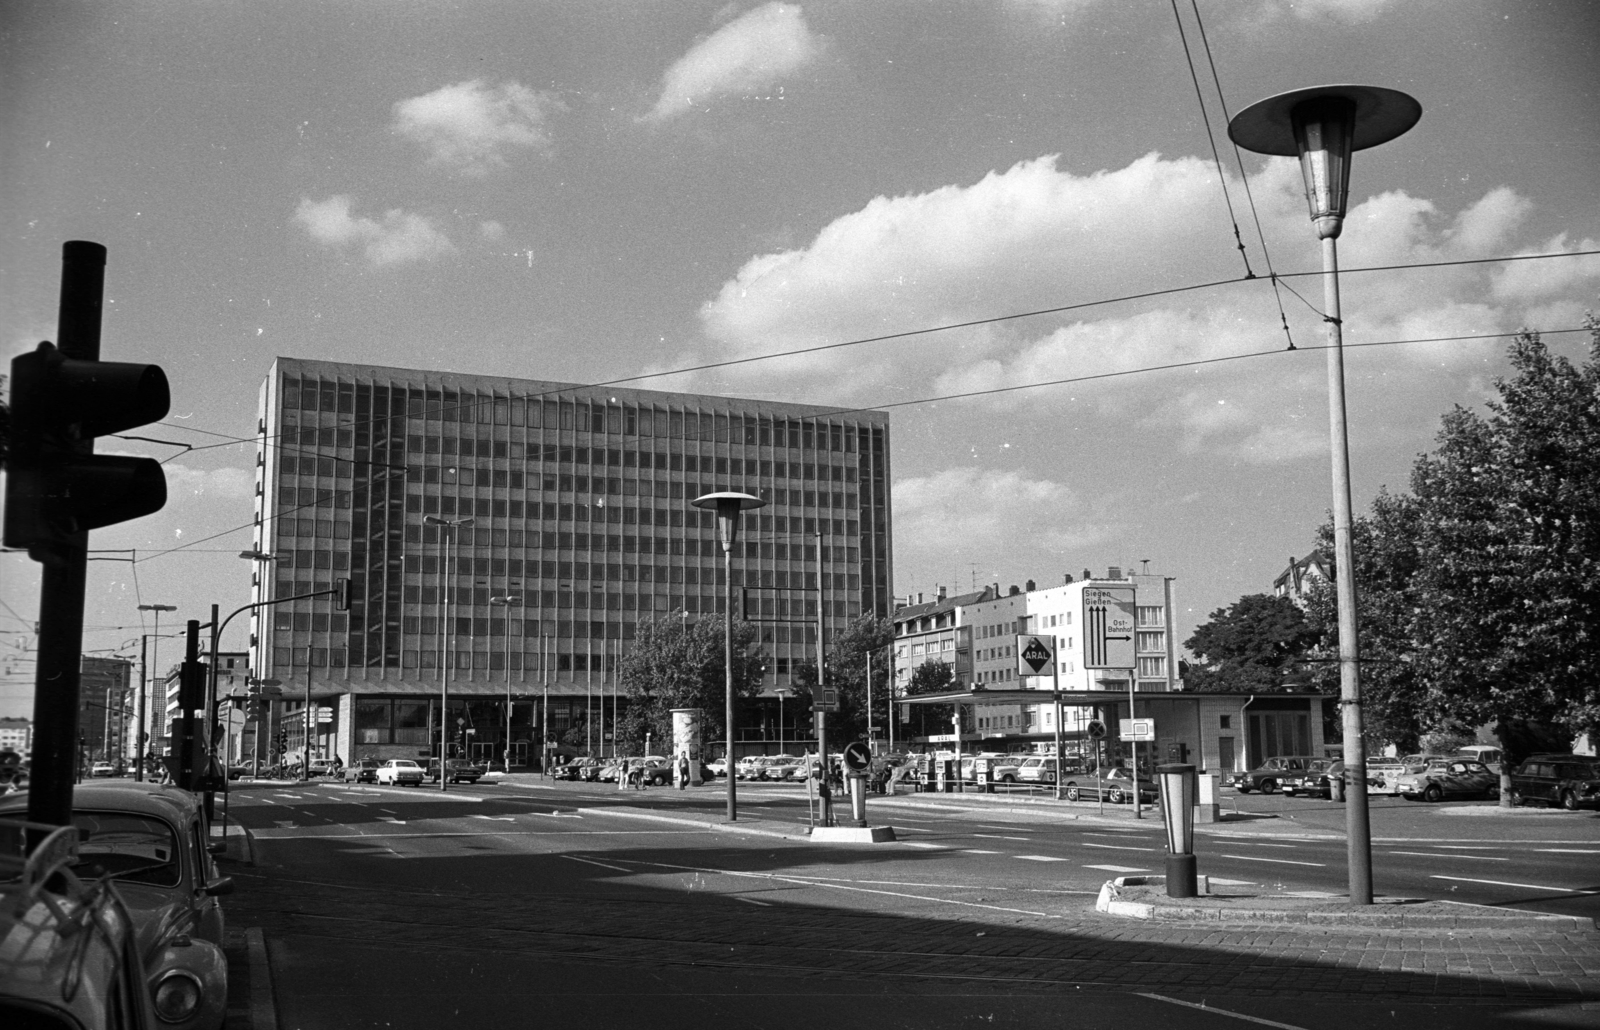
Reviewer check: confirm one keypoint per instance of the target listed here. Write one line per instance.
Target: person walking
(683, 771)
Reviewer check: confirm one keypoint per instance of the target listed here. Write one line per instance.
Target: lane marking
(1232, 883)
(978, 851)
(1435, 854)
(1568, 851)
(911, 829)
(1274, 861)
(602, 865)
(752, 901)
(1038, 858)
(1122, 869)
(997, 836)
(1113, 847)
(923, 844)
(1257, 844)
(1524, 886)
(1468, 847)
(1221, 1012)
(496, 818)
(391, 819)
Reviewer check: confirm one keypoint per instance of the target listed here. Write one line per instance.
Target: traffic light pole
(61, 589)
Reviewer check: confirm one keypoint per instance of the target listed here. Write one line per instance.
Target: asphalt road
(498, 905)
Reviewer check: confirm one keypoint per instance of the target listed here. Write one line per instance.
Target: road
(486, 905)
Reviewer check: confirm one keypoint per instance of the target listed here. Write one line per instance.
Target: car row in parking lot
(1567, 780)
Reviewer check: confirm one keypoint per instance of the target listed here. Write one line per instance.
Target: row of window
(532, 662)
(566, 413)
(344, 468)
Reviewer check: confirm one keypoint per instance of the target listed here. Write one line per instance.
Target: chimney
(1030, 586)
(1113, 572)
(1014, 591)
(1087, 574)
(919, 601)
(941, 593)
(1066, 577)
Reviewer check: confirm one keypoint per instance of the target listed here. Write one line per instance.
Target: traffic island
(1144, 897)
(852, 834)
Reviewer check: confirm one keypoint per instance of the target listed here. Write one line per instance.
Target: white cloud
(470, 127)
(961, 514)
(398, 237)
(1538, 280)
(753, 52)
(220, 484)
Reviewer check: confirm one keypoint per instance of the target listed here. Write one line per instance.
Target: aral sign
(1108, 620)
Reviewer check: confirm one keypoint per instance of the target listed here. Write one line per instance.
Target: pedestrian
(683, 771)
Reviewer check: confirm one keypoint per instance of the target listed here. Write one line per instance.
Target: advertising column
(686, 724)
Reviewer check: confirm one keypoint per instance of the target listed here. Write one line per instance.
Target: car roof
(160, 800)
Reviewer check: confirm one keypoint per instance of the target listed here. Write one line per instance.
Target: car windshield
(404, 764)
(136, 848)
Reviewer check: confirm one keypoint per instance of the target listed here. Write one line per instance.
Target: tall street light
(1323, 125)
(507, 601)
(728, 504)
(446, 632)
(144, 681)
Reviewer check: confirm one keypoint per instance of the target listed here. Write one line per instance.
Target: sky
(596, 191)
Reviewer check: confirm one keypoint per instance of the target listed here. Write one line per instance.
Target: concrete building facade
(575, 506)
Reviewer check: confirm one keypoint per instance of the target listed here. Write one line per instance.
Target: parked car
(1311, 781)
(574, 770)
(150, 840)
(1450, 778)
(1116, 785)
(67, 930)
(320, 767)
(459, 770)
(362, 770)
(102, 769)
(1488, 754)
(400, 771)
(1269, 776)
(783, 768)
(1571, 781)
(718, 767)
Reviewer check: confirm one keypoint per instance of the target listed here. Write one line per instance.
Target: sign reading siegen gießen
(1108, 615)
(1034, 655)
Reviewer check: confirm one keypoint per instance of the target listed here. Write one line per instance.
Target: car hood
(157, 915)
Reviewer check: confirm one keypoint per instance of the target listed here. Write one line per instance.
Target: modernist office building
(578, 501)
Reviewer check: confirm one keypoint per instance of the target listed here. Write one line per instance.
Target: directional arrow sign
(1034, 656)
(1108, 615)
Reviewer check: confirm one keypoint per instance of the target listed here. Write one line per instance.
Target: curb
(1111, 903)
(263, 1004)
(635, 813)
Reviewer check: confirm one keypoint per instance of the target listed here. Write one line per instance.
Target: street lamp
(507, 601)
(782, 693)
(1323, 125)
(447, 584)
(144, 681)
(728, 504)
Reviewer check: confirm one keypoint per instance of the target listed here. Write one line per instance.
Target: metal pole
(452, 557)
(1055, 693)
(1358, 832)
(508, 688)
(58, 672)
(305, 747)
(870, 737)
(824, 792)
(544, 732)
(727, 657)
(144, 686)
(1138, 810)
(212, 715)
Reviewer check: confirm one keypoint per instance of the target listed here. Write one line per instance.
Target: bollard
(858, 799)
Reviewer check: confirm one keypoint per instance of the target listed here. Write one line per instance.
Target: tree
(867, 638)
(1508, 624)
(932, 677)
(678, 663)
(1252, 645)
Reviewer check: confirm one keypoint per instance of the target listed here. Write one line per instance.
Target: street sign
(856, 757)
(1108, 619)
(1096, 730)
(828, 702)
(325, 714)
(1136, 729)
(1034, 656)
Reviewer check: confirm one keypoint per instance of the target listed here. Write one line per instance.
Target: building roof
(941, 605)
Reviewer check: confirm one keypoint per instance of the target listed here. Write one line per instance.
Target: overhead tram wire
(798, 351)
(1018, 387)
(1244, 176)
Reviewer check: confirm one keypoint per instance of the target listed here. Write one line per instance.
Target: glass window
(138, 848)
(373, 722)
(410, 722)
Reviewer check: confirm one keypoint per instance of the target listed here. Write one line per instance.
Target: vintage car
(1571, 781)
(150, 840)
(1311, 781)
(459, 770)
(1269, 776)
(362, 770)
(1449, 778)
(57, 928)
(399, 771)
(1116, 785)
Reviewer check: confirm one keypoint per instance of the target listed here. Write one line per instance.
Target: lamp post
(1323, 125)
(728, 504)
(782, 693)
(144, 679)
(507, 601)
(1177, 815)
(446, 587)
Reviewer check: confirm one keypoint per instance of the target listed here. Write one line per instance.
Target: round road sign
(1096, 730)
(856, 756)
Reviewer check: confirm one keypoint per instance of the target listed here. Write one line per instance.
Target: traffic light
(56, 486)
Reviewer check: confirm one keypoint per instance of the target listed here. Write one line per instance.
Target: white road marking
(602, 865)
(391, 819)
(1117, 868)
(1568, 851)
(1468, 847)
(1113, 847)
(1038, 858)
(1221, 1012)
(978, 851)
(996, 836)
(1232, 883)
(496, 818)
(752, 901)
(923, 844)
(1257, 844)
(910, 829)
(1435, 854)
(1275, 861)
(1524, 886)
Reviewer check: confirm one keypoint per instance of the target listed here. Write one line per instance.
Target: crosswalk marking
(1039, 858)
(1118, 868)
(1274, 861)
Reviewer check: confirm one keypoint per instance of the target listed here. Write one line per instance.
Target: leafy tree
(1508, 625)
(1254, 644)
(932, 677)
(678, 663)
(866, 639)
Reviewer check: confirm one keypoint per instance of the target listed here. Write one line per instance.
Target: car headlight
(177, 997)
